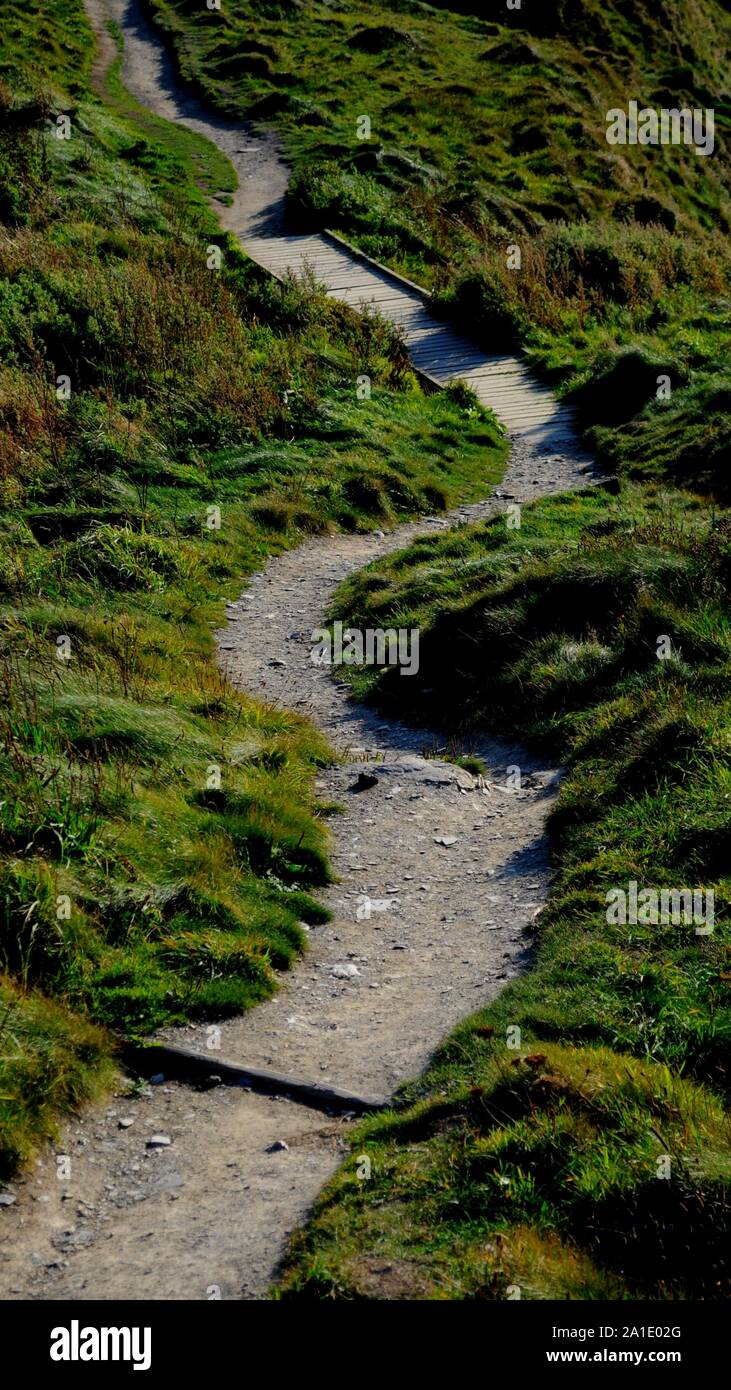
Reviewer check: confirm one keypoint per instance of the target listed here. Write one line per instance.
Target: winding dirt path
(207, 1214)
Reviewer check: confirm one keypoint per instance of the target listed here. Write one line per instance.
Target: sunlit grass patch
(531, 1175)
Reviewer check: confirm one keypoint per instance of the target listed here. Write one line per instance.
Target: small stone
(446, 840)
(159, 1141)
(157, 1079)
(125, 1121)
(345, 972)
(7, 1199)
(363, 782)
(277, 1147)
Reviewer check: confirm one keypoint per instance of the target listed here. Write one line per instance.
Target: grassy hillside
(163, 428)
(536, 1163)
(488, 131)
(159, 837)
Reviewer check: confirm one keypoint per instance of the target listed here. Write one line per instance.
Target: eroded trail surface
(463, 867)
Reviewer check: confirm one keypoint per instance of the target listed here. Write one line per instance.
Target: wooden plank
(509, 369)
(526, 421)
(374, 294)
(522, 410)
(466, 360)
(450, 369)
(376, 287)
(414, 313)
(511, 394)
(184, 1062)
(504, 385)
(519, 400)
(524, 403)
(351, 286)
(498, 384)
(377, 292)
(445, 360)
(431, 338)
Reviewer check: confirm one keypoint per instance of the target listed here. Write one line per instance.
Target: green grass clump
(53, 1061)
(47, 38)
(164, 427)
(598, 632)
(562, 1173)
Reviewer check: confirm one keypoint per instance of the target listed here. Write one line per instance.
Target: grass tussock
(533, 1175)
(54, 1061)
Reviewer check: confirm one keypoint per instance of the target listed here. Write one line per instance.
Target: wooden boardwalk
(501, 381)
